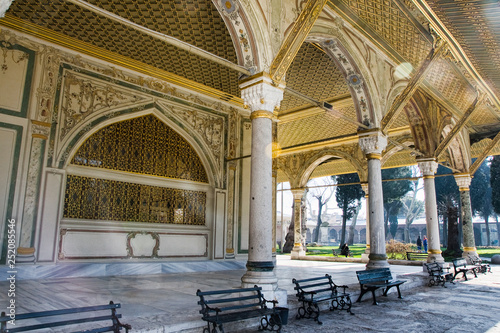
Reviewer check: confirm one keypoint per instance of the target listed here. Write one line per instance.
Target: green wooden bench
(219, 307)
(81, 317)
(319, 289)
(416, 255)
(373, 279)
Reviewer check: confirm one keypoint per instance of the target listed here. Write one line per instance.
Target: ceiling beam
(295, 38)
(459, 125)
(477, 163)
(415, 81)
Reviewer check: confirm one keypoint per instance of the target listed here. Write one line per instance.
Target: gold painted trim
(73, 44)
(470, 249)
(41, 123)
(229, 251)
(261, 114)
(463, 189)
(431, 251)
(39, 136)
(374, 156)
(297, 244)
(295, 38)
(429, 177)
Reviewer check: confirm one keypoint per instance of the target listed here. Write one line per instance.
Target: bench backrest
(374, 275)
(317, 284)
(433, 267)
(459, 262)
(64, 317)
(232, 300)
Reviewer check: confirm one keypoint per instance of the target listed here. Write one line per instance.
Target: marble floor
(167, 302)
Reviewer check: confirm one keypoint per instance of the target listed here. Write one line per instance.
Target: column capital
(261, 94)
(427, 166)
(298, 193)
(40, 129)
(372, 142)
(463, 181)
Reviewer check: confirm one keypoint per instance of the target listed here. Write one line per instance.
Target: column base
(265, 279)
(297, 251)
(435, 257)
(469, 252)
(377, 261)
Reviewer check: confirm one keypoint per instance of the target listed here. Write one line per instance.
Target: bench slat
(61, 312)
(232, 299)
(59, 323)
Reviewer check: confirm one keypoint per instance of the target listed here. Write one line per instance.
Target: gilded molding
(295, 38)
(261, 114)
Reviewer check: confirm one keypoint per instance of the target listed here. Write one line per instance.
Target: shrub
(397, 250)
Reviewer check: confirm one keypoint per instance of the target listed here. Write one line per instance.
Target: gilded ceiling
(396, 27)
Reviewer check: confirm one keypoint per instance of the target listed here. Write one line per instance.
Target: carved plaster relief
(83, 96)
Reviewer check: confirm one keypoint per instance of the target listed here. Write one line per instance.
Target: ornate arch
(89, 129)
(320, 156)
(245, 29)
(358, 86)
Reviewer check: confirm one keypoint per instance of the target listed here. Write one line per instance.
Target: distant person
(425, 244)
(419, 243)
(344, 250)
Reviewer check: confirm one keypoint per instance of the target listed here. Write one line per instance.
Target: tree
(348, 198)
(495, 188)
(448, 201)
(322, 194)
(393, 192)
(480, 195)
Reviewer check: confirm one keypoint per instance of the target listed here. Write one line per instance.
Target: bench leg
(309, 310)
(374, 299)
(344, 303)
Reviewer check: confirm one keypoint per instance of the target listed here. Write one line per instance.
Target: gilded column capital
(40, 129)
(427, 166)
(372, 143)
(463, 181)
(261, 95)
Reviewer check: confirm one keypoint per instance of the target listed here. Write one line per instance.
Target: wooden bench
(66, 317)
(315, 290)
(437, 274)
(373, 279)
(481, 268)
(223, 306)
(416, 255)
(460, 265)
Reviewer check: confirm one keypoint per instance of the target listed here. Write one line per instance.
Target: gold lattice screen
(142, 145)
(101, 199)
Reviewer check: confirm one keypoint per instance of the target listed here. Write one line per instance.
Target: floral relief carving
(82, 97)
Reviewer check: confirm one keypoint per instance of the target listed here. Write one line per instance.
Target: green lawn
(358, 249)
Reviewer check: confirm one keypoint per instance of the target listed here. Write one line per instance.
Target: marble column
(372, 143)
(39, 134)
(428, 167)
(262, 97)
(273, 240)
(463, 181)
(365, 256)
(230, 210)
(298, 249)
